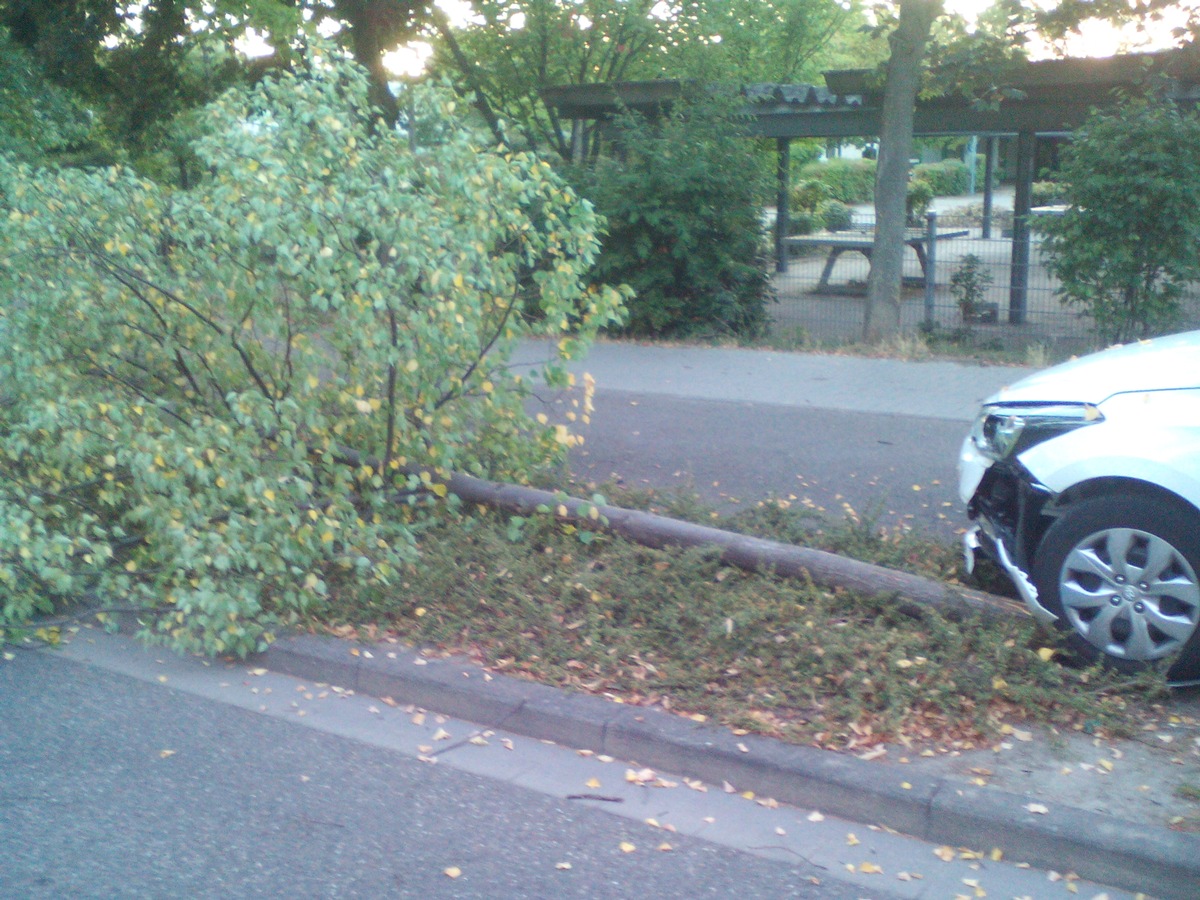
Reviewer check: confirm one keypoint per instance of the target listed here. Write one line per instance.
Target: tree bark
(882, 314)
(911, 592)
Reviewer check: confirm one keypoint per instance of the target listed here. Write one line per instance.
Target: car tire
(1122, 573)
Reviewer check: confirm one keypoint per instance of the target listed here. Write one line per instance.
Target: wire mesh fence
(822, 295)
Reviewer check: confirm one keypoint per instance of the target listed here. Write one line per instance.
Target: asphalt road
(131, 772)
(819, 431)
(113, 786)
(894, 469)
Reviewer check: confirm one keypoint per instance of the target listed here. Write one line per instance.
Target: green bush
(809, 194)
(1048, 193)
(919, 194)
(684, 222)
(804, 222)
(209, 399)
(969, 285)
(848, 180)
(834, 215)
(1129, 242)
(947, 178)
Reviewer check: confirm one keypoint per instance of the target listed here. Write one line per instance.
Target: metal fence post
(930, 265)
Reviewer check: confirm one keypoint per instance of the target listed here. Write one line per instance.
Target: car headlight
(1002, 431)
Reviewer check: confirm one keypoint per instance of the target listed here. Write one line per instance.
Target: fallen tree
(744, 551)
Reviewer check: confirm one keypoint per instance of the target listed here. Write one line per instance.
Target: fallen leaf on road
(945, 854)
(441, 735)
(1037, 808)
(258, 672)
(452, 872)
(869, 868)
(562, 865)
(163, 754)
(852, 840)
(664, 846)
(815, 816)
(627, 847)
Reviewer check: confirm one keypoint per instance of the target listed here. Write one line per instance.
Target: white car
(1084, 483)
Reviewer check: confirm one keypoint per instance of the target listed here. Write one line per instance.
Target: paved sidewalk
(933, 389)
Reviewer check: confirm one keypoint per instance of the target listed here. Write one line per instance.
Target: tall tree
(515, 48)
(891, 173)
(969, 65)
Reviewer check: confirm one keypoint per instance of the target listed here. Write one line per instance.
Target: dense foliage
(685, 228)
(210, 398)
(846, 180)
(1127, 263)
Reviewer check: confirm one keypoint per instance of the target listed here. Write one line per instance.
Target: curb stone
(1095, 846)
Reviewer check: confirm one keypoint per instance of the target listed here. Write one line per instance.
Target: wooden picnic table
(863, 241)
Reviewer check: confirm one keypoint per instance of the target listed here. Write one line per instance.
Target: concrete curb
(1095, 846)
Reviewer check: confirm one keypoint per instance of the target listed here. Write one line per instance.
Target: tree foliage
(685, 229)
(517, 48)
(1127, 263)
(210, 398)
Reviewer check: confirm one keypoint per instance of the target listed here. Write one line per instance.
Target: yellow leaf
(593, 783)
(945, 854)
(1046, 653)
(562, 865)
(163, 754)
(665, 847)
(412, 365)
(627, 847)
(269, 494)
(1106, 765)
(452, 872)
(851, 840)
(996, 855)
(869, 868)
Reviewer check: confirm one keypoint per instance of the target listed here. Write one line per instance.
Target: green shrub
(804, 222)
(968, 286)
(848, 180)
(210, 398)
(684, 221)
(947, 178)
(809, 194)
(919, 194)
(1129, 242)
(835, 216)
(1048, 193)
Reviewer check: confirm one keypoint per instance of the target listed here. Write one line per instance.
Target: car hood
(1159, 364)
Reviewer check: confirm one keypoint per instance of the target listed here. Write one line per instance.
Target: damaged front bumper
(977, 539)
(1006, 502)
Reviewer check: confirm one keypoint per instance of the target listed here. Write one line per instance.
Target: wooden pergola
(1049, 97)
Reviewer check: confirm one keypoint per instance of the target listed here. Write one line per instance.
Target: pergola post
(783, 176)
(989, 182)
(1018, 291)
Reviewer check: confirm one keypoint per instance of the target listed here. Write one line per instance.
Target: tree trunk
(882, 314)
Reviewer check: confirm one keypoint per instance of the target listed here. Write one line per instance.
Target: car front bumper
(998, 501)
